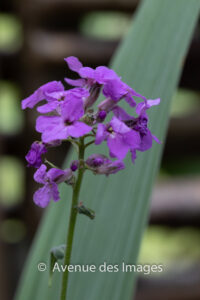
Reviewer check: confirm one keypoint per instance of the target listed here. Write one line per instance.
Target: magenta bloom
(50, 181)
(120, 138)
(55, 99)
(100, 164)
(113, 87)
(67, 124)
(142, 124)
(33, 157)
(40, 94)
(139, 124)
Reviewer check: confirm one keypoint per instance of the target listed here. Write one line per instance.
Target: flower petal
(43, 196)
(54, 134)
(146, 142)
(78, 129)
(133, 155)
(107, 105)
(86, 72)
(121, 114)
(101, 134)
(73, 63)
(129, 99)
(78, 92)
(132, 138)
(143, 106)
(58, 175)
(39, 94)
(153, 102)
(134, 93)
(114, 89)
(104, 74)
(54, 96)
(55, 192)
(76, 82)
(119, 126)
(52, 128)
(72, 109)
(47, 122)
(156, 139)
(40, 175)
(48, 107)
(117, 146)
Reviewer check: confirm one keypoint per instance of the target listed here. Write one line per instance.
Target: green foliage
(170, 246)
(10, 33)
(11, 115)
(149, 59)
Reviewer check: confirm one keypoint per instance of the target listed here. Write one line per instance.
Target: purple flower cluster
(69, 115)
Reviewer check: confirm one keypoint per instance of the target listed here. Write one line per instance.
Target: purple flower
(113, 87)
(33, 157)
(120, 138)
(40, 94)
(100, 164)
(61, 127)
(139, 124)
(116, 90)
(50, 181)
(55, 99)
(142, 124)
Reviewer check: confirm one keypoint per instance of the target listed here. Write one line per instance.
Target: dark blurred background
(35, 36)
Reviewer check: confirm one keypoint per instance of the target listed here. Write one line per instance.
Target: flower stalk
(72, 222)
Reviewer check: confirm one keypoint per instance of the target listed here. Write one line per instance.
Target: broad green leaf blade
(150, 60)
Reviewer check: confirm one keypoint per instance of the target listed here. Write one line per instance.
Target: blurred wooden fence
(51, 32)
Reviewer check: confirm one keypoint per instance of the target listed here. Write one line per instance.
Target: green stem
(50, 164)
(72, 222)
(89, 143)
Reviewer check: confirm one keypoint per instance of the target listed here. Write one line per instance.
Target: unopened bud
(85, 211)
(94, 94)
(107, 105)
(74, 165)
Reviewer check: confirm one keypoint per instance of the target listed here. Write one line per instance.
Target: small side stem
(89, 143)
(72, 222)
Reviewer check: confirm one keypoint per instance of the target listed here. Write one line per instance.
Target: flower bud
(74, 165)
(100, 164)
(94, 94)
(85, 211)
(107, 105)
(101, 115)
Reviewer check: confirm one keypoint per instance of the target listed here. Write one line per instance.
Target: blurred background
(35, 36)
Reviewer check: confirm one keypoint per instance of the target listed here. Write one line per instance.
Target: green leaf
(150, 59)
